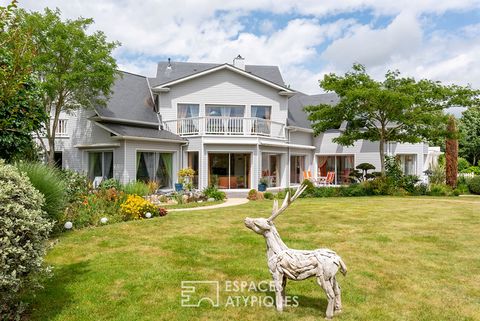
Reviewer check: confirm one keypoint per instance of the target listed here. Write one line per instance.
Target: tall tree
(20, 111)
(76, 69)
(470, 135)
(451, 152)
(397, 109)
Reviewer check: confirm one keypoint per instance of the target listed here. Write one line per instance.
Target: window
(341, 165)
(187, 115)
(408, 164)
(297, 166)
(152, 166)
(224, 119)
(61, 128)
(229, 170)
(193, 164)
(261, 119)
(100, 164)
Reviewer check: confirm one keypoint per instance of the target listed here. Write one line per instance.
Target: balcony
(230, 126)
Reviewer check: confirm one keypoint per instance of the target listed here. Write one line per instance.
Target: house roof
(131, 99)
(179, 70)
(297, 116)
(130, 131)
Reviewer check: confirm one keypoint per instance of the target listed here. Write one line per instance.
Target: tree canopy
(396, 109)
(76, 69)
(470, 135)
(21, 113)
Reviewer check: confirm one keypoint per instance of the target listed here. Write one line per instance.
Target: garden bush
(474, 185)
(50, 183)
(76, 185)
(440, 190)
(353, 190)
(472, 169)
(110, 183)
(252, 195)
(24, 230)
(135, 207)
(463, 164)
(92, 207)
(379, 186)
(309, 190)
(215, 193)
(137, 188)
(326, 192)
(268, 196)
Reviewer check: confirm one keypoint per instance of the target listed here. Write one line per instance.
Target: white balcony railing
(236, 126)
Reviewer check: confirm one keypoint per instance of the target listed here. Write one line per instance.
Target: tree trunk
(451, 154)
(382, 156)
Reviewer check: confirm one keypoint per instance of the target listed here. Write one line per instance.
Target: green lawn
(408, 259)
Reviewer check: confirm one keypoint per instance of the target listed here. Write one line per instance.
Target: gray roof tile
(137, 131)
(180, 70)
(297, 116)
(131, 99)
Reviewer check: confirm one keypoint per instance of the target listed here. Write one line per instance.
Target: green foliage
(110, 183)
(392, 169)
(462, 164)
(326, 192)
(136, 187)
(24, 231)
(472, 169)
(77, 185)
(370, 107)
(283, 193)
(91, 207)
(310, 188)
(76, 67)
(50, 183)
(379, 186)
(469, 141)
(440, 190)
(268, 195)
(437, 175)
(409, 183)
(215, 193)
(474, 185)
(252, 195)
(21, 112)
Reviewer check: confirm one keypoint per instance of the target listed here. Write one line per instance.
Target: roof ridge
(131, 73)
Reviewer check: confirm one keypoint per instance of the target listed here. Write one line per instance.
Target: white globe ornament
(148, 215)
(68, 225)
(104, 220)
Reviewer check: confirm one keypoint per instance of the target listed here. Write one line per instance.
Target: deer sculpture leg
(327, 287)
(284, 285)
(338, 295)
(279, 290)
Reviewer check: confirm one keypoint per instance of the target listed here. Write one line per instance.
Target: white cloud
(213, 31)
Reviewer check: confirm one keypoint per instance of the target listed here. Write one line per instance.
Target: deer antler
(286, 202)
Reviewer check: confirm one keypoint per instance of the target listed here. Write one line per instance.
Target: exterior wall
(223, 87)
(368, 152)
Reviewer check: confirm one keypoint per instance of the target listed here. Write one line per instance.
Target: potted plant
(262, 185)
(185, 177)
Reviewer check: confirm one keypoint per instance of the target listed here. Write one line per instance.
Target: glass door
(229, 171)
(297, 166)
(193, 164)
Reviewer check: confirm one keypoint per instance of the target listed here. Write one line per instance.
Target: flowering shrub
(135, 207)
(24, 230)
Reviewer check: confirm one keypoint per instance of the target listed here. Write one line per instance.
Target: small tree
(451, 153)
(76, 69)
(397, 109)
(20, 110)
(469, 127)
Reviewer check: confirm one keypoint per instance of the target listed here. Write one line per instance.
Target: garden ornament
(285, 263)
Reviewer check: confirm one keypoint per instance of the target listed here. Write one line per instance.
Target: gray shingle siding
(141, 132)
(297, 117)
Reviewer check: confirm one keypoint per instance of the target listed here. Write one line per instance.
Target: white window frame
(61, 130)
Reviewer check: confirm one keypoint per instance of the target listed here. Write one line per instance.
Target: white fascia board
(150, 139)
(300, 129)
(122, 120)
(100, 145)
(287, 145)
(283, 90)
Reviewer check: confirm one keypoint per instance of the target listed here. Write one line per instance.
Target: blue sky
(434, 39)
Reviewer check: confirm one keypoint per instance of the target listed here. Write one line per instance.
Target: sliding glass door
(341, 165)
(100, 164)
(229, 171)
(153, 166)
(297, 166)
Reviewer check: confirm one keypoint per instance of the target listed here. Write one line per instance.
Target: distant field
(408, 259)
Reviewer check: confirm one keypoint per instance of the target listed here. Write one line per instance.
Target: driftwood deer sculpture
(285, 263)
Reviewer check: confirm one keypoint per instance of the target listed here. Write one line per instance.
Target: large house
(232, 123)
